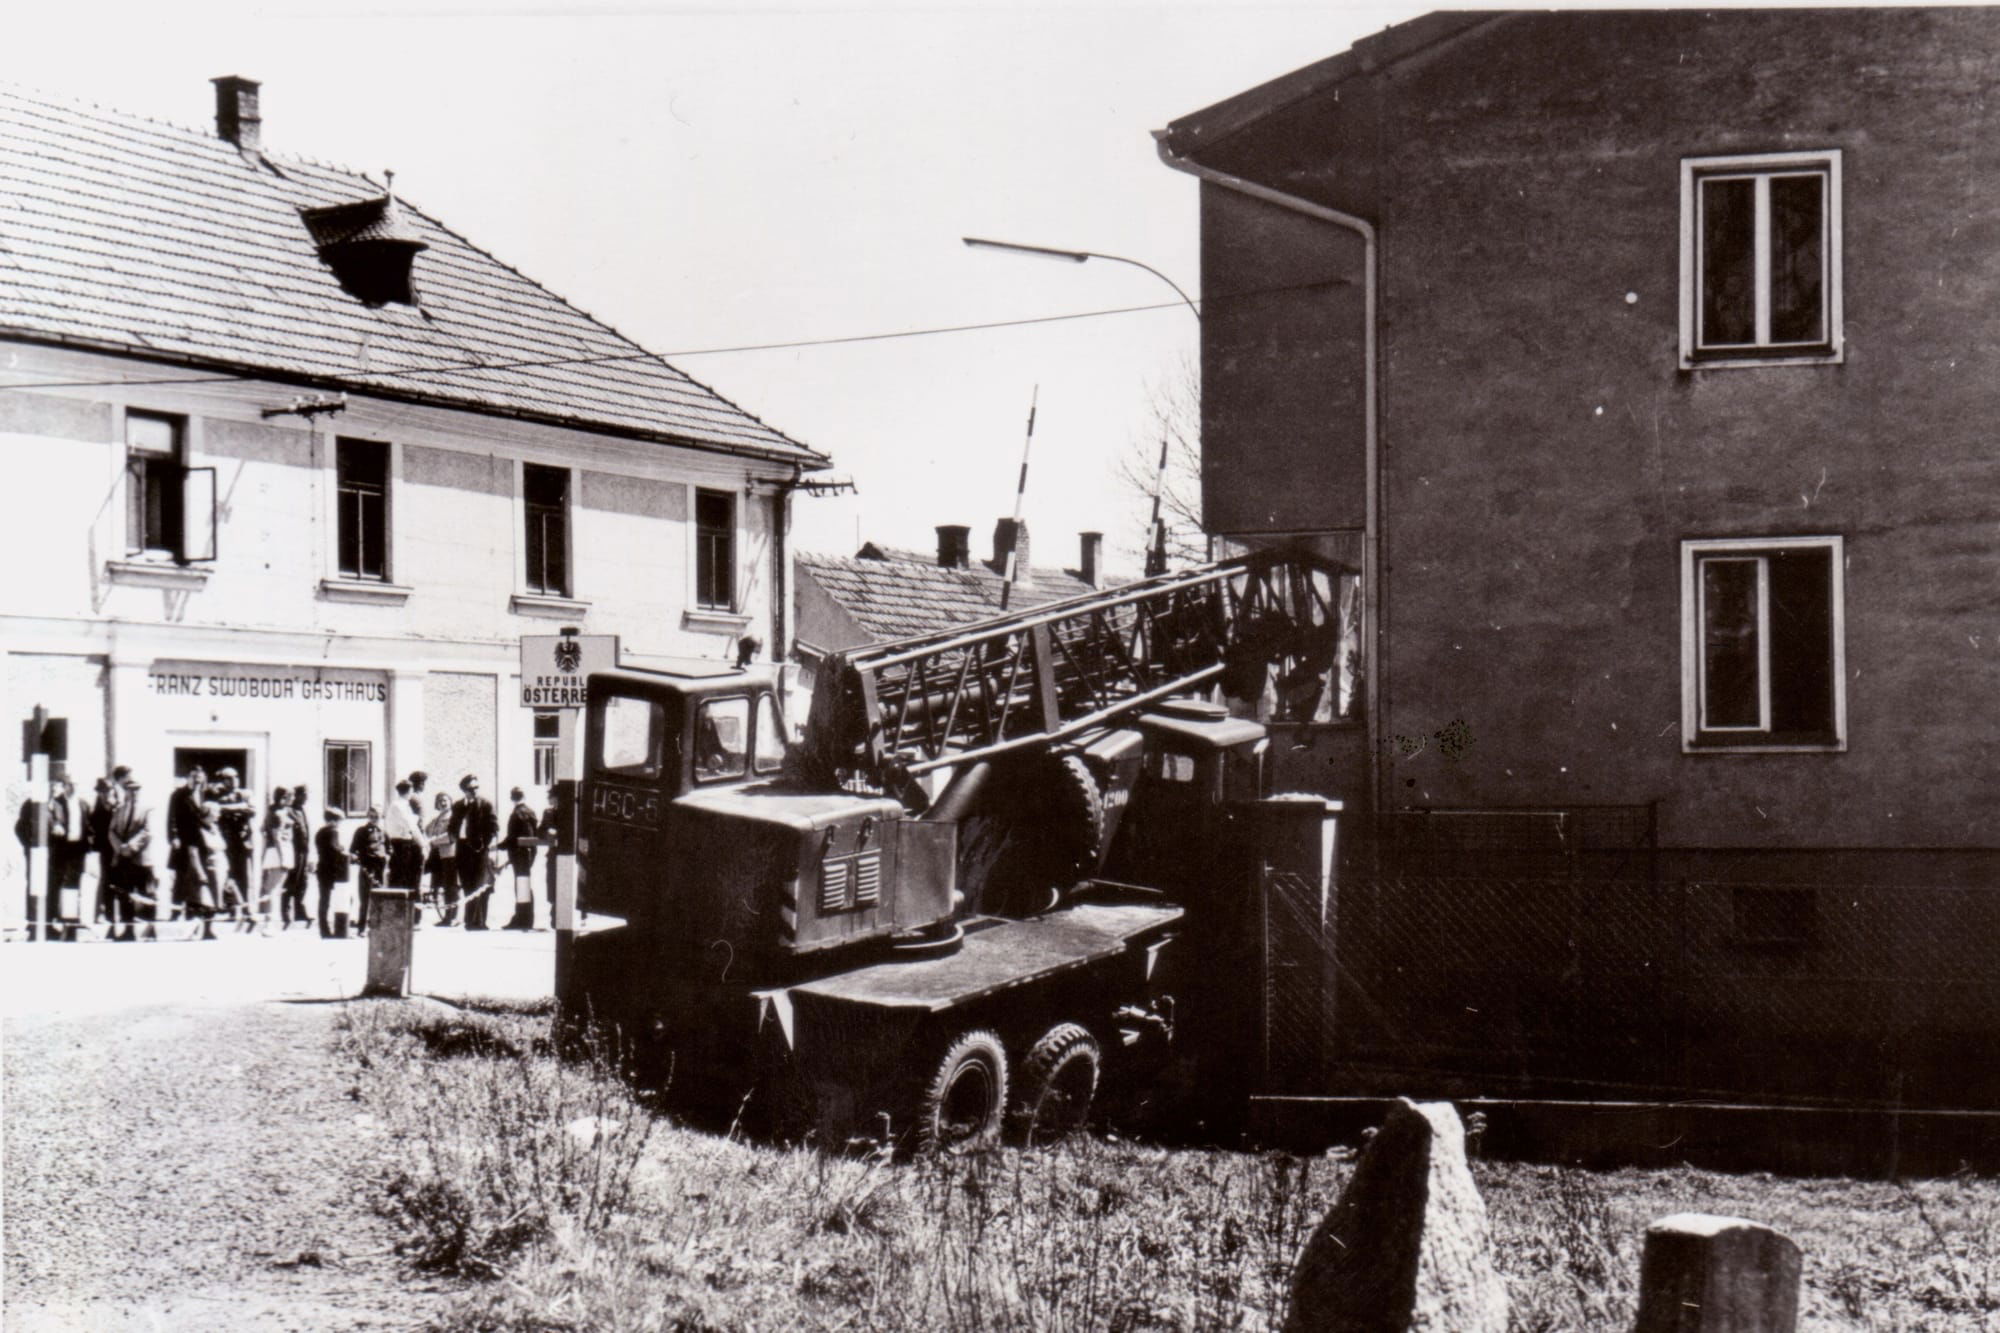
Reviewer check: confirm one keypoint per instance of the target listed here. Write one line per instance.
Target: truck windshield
(721, 736)
(631, 736)
(770, 756)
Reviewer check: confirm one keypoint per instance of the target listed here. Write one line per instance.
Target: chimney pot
(236, 117)
(1092, 557)
(954, 546)
(1010, 535)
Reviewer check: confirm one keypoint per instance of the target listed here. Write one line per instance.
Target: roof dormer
(370, 247)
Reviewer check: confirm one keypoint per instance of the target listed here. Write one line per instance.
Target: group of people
(214, 858)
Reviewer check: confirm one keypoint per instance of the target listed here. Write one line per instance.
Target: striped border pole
(1020, 494)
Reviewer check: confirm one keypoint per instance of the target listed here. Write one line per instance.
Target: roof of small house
(125, 234)
(898, 594)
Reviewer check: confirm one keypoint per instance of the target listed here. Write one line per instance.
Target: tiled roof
(123, 233)
(905, 593)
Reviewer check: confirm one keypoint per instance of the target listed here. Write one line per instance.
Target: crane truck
(1003, 864)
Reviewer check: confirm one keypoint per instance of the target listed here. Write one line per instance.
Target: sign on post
(555, 668)
(555, 675)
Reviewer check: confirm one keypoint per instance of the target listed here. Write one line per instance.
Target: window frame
(1696, 736)
(660, 729)
(1761, 168)
(142, 462)
(348, 749)
(537, 516)
(345, 447)
(764, 710)
(705, 538)
(742, 771)
(546, 747)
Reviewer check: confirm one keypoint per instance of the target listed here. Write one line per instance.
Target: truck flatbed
(997, 955)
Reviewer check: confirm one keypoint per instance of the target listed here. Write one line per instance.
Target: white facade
(267, 651)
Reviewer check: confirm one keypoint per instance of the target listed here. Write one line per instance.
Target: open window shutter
(197, 515)
(360, 782)
(135, 505)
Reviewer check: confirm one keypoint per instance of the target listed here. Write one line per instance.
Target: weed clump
(496, 1143)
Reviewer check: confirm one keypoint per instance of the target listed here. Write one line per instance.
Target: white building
(216, 556)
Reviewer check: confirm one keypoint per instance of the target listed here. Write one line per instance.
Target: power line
(451, 366)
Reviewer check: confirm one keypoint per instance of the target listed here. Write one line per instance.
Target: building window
(1760, 258)
(349, 777)
(545, 493)
(715, 550)
(362, 467)
(154, 517)
(1762, 653)
(548, 730)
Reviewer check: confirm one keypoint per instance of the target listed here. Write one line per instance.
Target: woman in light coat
(442, 862)
(277, 856)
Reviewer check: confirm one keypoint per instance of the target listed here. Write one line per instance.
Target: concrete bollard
(1705, 1274)
(391, 919)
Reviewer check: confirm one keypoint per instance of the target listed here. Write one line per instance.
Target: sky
(706, 177)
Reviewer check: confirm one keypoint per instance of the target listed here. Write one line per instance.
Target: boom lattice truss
(893, 711)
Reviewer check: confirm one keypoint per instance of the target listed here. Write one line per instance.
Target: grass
(570, 1206)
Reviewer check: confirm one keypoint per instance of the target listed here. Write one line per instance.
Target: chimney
(954, 546)
(1010, 534)
(1093, 555)
(236, 117)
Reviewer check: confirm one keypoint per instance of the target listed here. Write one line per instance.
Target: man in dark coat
(130, 856)
(238, 820)
(191, 867)
(370, 852)
(97, 826)
(523, 839)
(474, 826)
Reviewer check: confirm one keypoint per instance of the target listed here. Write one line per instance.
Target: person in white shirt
(406, 841)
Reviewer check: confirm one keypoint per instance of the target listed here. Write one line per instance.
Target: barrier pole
(564, 850)
(40, 916)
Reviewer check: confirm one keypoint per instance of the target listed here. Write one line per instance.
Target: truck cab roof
(691, 675)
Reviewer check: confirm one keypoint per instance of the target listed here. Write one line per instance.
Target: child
(332, 869)
(370, 850)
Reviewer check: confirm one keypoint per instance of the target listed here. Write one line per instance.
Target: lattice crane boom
(1033, 678)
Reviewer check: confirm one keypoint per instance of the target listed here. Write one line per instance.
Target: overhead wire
(449, 367)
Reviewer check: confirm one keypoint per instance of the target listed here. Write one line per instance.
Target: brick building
(1642, 365)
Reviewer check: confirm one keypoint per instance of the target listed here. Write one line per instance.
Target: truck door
(632, 773)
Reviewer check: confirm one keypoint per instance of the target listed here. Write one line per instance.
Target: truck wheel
(964, 1101)
(1058, 1080)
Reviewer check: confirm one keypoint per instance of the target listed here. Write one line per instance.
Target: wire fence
(1567, 966)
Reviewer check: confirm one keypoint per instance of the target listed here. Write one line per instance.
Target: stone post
(1407, 1245)
(391, 916)
(1704, 1274)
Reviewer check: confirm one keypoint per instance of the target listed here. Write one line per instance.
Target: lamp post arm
(1135, 263)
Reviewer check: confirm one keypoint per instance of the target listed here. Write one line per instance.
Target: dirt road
(181, 1150)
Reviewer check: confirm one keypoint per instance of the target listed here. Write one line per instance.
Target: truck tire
(963, 1103)
(1077, 806)
(1043, 833)
(1058, 1081)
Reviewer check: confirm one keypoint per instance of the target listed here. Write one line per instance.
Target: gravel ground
(169, 1168)
(179, 1134)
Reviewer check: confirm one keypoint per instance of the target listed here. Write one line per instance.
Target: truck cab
(693, 835)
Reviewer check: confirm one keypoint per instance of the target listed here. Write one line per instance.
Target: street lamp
(1156, 557)
(1077, 257)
